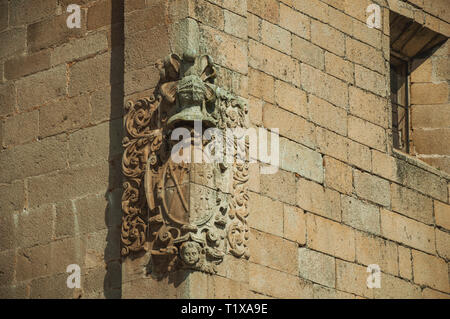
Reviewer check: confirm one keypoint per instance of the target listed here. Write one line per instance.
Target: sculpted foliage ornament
(187, 215)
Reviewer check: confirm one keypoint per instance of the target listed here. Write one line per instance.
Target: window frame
(406, 105)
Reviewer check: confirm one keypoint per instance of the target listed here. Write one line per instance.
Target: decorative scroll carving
(186, 215)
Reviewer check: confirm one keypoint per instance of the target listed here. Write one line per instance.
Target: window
(419, 91)
(400, 102)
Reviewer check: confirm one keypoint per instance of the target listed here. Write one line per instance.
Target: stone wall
(430, 111)
(343, 198)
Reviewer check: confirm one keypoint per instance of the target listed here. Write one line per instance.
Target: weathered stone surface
(324, 86)
(95, 144)
(332, 144)
(89, 75)
(274, 63)
(37, 89)
(330, 237)
(7, 265)
(268, 10)
(420, 93)
(407, 231)
(360, 215)
(276, 37)
(442, 244)
(141, 53)
(294, 224)
(279, 186)
(36, 226)
(20, 129)
(229, 51)
(338, 175)
(411, 204)
(13, 42)
(33, 159)
(266, 214)
(64, 115)
(327, 37)
(428, 141)
(370, 80)
(7, 98)
(365, 55)
(102, 14)
(372, 188)
(262, 85)
(51, 32)
(367, 133)
(291, 126)
(25, 65)
(425, 116)
(442, 214)
(278, 284)
(373, 250)
(404, 262)
(431, 271)
(352, 278)
(79, 48)
(359, 155)
(338, 67)
(235, 25)
(308, 53)
(295, 21)
(274, 252)
(301, 160)
(368, 106)
(327, 115)
(26, 12)
(84, 180)
(317, 267)
(7, 229)
(291, 98)
(395, 288)
(317, 199)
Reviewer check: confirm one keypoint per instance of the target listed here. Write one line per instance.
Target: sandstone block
(372, 188)
(314, 198)
(274, 252)
(340, 68)
(327, 115)
(338, 175)
(291, 98)
(374, 250)
(430, 271)
(407, 231)
(265, 214)
(317, 267)
(360, 215)
(24, 65)
(330, 237)
(294, 224)
(411, 204)
(20, 128)
(39, 88)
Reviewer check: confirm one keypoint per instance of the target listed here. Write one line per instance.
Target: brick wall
(61, 97)
(341, 200)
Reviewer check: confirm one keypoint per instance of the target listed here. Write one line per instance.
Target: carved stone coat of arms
(186, 215)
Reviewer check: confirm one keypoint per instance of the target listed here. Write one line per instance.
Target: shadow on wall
(112, 284)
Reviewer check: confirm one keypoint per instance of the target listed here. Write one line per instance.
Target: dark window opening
(400, 103)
